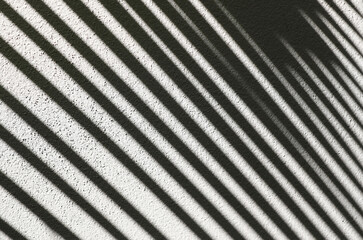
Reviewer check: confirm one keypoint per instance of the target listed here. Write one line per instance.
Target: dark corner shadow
(10, 231)
(260, 92)
(180, 80)
(210, 112)
(317, 15)
(35, 207)
(265, 37)
(189, 124)
(151, 52)
(263, 21)
(112, 42)
(54, 178)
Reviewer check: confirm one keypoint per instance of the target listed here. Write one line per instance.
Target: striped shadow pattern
(181, 119)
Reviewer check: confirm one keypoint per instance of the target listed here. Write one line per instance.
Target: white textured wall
(87, 147)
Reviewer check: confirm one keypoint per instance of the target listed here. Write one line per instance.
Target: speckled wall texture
(181, 119)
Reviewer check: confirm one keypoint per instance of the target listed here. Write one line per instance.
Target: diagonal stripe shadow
(10, 231)
(183, 31)
(36, 208)
(65, 150)
(53, 177)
